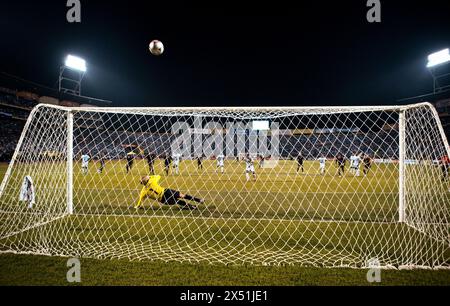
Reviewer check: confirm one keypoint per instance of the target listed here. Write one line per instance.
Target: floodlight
(438, 58)
(75, 63)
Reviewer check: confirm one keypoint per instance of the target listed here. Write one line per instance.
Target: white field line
(32, 227)
(212, 218)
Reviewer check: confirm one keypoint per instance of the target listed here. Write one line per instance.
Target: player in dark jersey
(101, 160)
(367, 162)
(200, 162)
(340, 162)
(130, 161)
(261, 160)
(300, 160)
(167, 162)
(151, 162)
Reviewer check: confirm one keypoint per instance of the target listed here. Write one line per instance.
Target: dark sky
(272, 54)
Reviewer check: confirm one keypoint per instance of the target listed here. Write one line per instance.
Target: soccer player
(249, 168)
(300, 160)
(352, 159)
(101, 160)
(261, 161)
(84, 163)
(167, 162)
(322, 162)
(367, 161)
(220, 162)
(130, 161)
(151, 162)
(340, 162)
(167, 196)
(355, 160)
(445, 166)
(176, 162)
(200, 162)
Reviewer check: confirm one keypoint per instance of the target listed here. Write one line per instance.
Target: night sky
(228, 55)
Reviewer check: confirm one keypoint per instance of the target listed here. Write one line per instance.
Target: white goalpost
(337, 187)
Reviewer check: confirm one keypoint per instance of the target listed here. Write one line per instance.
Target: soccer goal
(347, 186)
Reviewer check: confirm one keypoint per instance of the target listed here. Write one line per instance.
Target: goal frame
(402, 135)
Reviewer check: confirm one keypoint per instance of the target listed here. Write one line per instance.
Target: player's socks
(186, 206)
(247, 176)
(191, 198)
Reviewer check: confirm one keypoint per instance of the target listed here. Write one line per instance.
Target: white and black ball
(156, 47)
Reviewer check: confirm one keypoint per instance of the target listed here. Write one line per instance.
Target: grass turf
(43, 270)
(28, 269)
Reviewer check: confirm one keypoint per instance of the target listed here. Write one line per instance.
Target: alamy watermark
(374, 273)
(74, 12)
(74, 273)
(231, 139)
(374, 13)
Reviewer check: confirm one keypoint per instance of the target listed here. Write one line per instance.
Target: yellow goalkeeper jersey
(152, 190)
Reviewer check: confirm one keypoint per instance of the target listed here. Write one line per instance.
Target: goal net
(341, 187)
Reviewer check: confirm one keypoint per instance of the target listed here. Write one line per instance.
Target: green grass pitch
(226, 195)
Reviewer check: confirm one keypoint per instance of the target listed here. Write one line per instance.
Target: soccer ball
(156, 47)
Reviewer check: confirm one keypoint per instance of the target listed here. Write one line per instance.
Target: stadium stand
(15, 106)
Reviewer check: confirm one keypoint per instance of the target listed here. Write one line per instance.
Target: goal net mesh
(388, 204)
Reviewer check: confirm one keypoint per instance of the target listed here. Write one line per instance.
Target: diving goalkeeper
(163, 195)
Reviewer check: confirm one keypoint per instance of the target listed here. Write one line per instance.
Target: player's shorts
(250, 169)
(322, 166)
(170, 196)
(84, 165)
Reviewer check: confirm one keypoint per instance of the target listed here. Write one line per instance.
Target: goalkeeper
(163, 195)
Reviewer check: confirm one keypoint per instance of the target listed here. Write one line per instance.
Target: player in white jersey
(249, 168)
(84, 163)
(322, 162)
(355, 160)
(176, 163)
(220, 162)
(352, 163)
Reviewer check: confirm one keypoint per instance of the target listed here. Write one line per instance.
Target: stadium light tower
(71, 74)
(436, 63)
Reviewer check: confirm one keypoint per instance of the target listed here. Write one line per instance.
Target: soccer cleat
(189, 207)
